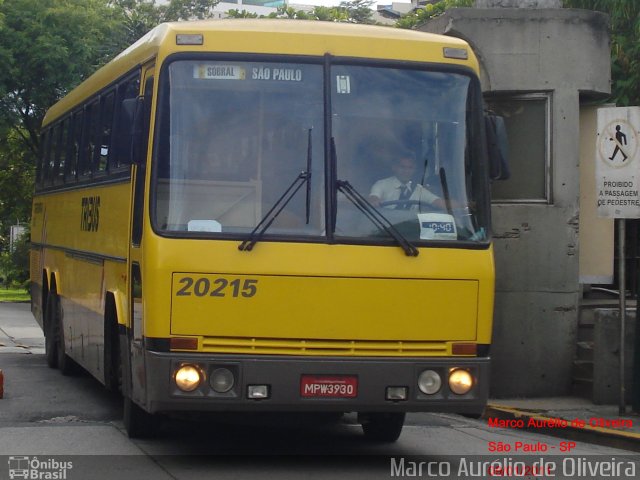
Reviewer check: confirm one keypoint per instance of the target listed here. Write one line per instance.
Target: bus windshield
(234, 135)
(403, 141)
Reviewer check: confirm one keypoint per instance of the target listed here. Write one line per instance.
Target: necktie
(405, 194)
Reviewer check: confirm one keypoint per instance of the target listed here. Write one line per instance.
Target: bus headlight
(429, 382)
(460, 381)
(188, 378)
(221, 380)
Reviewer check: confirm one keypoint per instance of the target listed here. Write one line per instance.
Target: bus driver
(399, 191)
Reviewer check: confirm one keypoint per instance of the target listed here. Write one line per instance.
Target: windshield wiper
(445, 190)
(266, 221)
(375, 216)
(309, 154)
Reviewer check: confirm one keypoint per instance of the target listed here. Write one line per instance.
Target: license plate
(329, 386)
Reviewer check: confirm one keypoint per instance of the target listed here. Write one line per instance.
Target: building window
(528, 126)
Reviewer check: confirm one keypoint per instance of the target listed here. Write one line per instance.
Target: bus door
(134, 373)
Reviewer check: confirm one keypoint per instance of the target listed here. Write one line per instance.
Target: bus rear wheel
(65, 364)
(382, 426)
(50, 339)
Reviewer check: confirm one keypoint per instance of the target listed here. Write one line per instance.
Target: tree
(47, 47)
(14, 265)
(625, 47)
(329, 14)
(16, 184)
(137, 17)
(234, 13)
(431, 10)
(358, 11)
(287, 12)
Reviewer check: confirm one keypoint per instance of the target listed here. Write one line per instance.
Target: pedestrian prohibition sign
(618, 162)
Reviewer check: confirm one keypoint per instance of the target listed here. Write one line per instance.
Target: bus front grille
(287, 346)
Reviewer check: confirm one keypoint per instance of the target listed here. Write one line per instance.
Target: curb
(596, 435)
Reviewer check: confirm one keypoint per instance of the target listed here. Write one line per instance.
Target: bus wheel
(137, 422)
(382, 426)
(65, 363)
(50, 340)
(112, 364)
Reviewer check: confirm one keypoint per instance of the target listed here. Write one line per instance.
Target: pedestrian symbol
(618, 143)
(621, 141)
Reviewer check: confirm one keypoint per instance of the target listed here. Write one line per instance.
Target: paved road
(19, 332)
(53, 418)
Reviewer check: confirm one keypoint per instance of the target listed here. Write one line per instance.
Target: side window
(87, 148)
(129, 88)
(104, 132)
(61, 154)
(42, 161)
(75, 140)
(527, 120)
(54, 141)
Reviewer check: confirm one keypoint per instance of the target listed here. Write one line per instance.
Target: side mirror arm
(497, 147)
(130, 131)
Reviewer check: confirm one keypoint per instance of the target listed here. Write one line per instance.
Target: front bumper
(283, 376)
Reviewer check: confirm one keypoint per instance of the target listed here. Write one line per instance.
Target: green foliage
(16, 183)
(233, 13)
(47, 46)
(13, 295)
(285, 11)
(137, 17)
(330, 14)
(14, 265)
(625, 47)
(418, 17)
(358, 11)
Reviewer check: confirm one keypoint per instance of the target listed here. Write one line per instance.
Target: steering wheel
(400, 204)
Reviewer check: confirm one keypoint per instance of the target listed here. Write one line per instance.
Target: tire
(65, 364)
(473, 416)
(50, 340)
(382, 427)
(137, 422)
(112, 363)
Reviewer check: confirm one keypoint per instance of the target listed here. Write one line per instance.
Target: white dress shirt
(390, 188)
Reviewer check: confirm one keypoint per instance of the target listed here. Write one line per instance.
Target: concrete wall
(596, 234)
(606, 355)
(564, 53)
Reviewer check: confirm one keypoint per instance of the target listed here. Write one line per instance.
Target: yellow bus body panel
(319, 299)
(93, 261)
(317, 307)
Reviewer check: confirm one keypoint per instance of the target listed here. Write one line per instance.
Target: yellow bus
(257, 215)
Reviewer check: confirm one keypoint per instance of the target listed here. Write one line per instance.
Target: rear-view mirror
(498, 147)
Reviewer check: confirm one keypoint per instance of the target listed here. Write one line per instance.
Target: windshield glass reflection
(233, 136)
(402, 140)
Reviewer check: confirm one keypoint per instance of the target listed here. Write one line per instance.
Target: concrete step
(582, 370)
(582, 387)
(584, 350)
